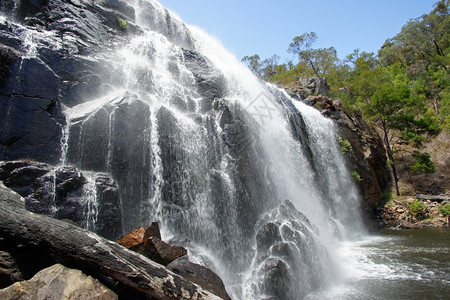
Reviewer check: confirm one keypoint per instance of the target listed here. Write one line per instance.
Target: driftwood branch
(433, 198)
(83, 248)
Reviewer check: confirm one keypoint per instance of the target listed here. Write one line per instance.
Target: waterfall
(250, 181)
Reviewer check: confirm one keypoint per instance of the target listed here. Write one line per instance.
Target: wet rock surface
(286, 244)
(200, 275)
(65, 193)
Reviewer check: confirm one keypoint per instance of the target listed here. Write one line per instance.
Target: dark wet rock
(200, 275)
(120, 6)
(64, 193)
(20, 176)
(54, 69)
(287, 246)
(367, 157)
(9, 270)
(123, 149)
(210, 81)
(161, 252)
(68, 179)
(172, 157)
(152, 230)
(267, 236)
(277, 280)
(109, 219)
(7, 55)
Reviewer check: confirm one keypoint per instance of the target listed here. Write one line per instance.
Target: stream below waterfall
(394, 264)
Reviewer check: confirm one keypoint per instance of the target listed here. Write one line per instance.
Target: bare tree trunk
(86, 250)
(390, 155)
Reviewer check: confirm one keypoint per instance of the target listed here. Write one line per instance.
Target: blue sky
(264, 27)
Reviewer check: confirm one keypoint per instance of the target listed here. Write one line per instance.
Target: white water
(333, 211)
(204, 198)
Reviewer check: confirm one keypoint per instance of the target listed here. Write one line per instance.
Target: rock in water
(59, 282)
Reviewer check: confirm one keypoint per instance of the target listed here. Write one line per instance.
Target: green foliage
(288, 74)
(122, 23)
(355, 175)
(423, 163)
(417, 209)
(445, 209)
(254, 63)
(320, 61)
(265, 69)
(344, 145)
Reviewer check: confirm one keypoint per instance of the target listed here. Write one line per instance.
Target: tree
(254, 63)
(362, 61)
(269, 67)
(319, 60)
(422, 47)
(394, 108)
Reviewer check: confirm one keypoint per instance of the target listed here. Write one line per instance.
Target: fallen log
(433, 198)
(79, 247)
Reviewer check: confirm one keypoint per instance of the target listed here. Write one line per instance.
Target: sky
(247, 27)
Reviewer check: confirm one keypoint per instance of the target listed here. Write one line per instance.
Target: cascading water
(247, 179)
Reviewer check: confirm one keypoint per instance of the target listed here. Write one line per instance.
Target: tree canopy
(404, 88)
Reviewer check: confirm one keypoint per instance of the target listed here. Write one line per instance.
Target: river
(394, 264)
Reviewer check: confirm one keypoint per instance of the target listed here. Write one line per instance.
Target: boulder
(140, 235)
(58, 282)
(147, 241)
(311, 86)
(278, 280)
(287, 245)
(161, 252)
(200, 275)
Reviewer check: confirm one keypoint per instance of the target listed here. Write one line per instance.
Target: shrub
(423, 163)
(356, 176)
(445, 209)
(122, 23)
(417, 209)
(345, 145)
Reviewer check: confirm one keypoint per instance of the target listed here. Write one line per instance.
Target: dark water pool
(394, 264)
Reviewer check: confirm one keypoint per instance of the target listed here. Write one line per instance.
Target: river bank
(411, 212)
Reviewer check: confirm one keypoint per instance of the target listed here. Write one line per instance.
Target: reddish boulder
(147, 241)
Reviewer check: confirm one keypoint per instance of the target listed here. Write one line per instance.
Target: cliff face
(367, 157)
